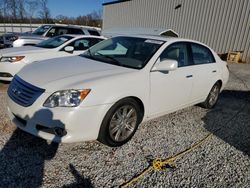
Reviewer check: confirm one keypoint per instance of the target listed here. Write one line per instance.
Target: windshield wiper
(109, 57)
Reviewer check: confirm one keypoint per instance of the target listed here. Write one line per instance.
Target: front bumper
(8, 70)
(79, 124)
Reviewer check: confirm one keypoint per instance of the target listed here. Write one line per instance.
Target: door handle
(214, 71)
(189, 76)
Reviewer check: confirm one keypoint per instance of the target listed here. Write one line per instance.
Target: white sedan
(13, 60)
(108, 91)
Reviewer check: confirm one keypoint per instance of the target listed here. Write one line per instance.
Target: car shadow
(230, 119)
(23, 156)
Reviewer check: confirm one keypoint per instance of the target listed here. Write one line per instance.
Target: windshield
(131, 52)
(41, 30)
(54, 42)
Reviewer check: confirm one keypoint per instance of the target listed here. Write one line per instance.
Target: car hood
(21, 50)
(63, 73)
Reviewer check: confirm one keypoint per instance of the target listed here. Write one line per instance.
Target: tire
(212, 97)
(120, 123)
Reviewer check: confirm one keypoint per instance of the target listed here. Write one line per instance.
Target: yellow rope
(159, 164)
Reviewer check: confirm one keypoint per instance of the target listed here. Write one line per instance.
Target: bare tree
(12, 7)
(4, 12)
(37, 11)
(32, 6)
(21, 9)
(44, 13)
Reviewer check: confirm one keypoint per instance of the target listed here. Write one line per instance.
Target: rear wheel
(120, 123)
(212, 97)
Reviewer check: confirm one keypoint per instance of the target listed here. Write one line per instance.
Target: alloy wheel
(123, 123)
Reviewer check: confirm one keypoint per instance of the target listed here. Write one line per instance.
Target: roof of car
(138, 31)
(75, 26)
(164, 38)
(83, 36)
(155, 37)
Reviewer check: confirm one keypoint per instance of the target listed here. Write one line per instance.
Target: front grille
(23, 93)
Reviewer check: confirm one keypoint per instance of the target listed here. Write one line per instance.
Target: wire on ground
(161, 164)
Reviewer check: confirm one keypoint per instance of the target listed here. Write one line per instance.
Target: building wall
(222, 24)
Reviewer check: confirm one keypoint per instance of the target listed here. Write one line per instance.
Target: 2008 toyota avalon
(113, 87)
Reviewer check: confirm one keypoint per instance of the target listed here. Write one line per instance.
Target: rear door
(205, 71)
(171, 90)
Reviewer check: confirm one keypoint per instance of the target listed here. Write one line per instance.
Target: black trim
(190, 54)
(5, 74)
(51, 130)
(20, 120)
(114, 2)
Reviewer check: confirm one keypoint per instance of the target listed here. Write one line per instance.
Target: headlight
(66, 98)
(11, 59)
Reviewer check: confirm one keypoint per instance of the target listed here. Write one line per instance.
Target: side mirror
(69, 49)
(165, 65)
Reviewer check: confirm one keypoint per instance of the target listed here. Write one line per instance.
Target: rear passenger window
(75, 31)
(201, 54)
(93, 32)
(62, 31)
(178, 52)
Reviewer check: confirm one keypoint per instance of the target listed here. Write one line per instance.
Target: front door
(171, 90)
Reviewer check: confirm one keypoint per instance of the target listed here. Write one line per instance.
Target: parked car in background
(6, 40)
(13, 60)
(44, 32)
(108, 91)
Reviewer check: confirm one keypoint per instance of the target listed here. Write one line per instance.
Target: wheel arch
(138, 101)
(220, 82)
(141, 105)
(102, 131)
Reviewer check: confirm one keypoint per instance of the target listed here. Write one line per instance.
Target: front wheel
(212, 97)
(120, 123)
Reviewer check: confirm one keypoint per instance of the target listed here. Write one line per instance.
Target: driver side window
(80, 44)
(178, 52)
(51, 32)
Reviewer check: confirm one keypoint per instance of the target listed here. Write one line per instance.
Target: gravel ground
(222, 161)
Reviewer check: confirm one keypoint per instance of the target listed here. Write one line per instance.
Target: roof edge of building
(114, 2)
